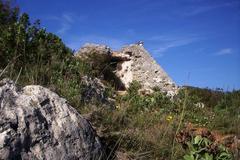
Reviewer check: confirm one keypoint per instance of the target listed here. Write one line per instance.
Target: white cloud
(64, 28)
(66, 21)
(195, 10)
(68, 17)
(225, 51)
(168, 42)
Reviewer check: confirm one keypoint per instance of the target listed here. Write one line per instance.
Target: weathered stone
(94, 91)
(133, 63)
(36, 123)
(99, 53)
(144, 69)
(124, 73)
(116, 56)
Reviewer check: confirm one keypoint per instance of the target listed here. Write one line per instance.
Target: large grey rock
(36, 123)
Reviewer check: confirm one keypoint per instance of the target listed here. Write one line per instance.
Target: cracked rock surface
(36, 123)
(143, 68)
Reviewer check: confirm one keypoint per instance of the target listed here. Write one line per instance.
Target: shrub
(202, 148)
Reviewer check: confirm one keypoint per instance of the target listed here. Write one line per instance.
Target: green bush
(207, 96)
(201, 148)
(32, 55)
(139, 102)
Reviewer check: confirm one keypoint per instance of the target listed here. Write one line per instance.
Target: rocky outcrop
(133, 63)
(94, 92)
(95, 53)
(36, 123)
(103, 61)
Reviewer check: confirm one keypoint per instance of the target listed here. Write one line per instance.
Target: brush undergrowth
(149, 124)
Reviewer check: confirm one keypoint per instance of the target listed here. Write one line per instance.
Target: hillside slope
(106, 88)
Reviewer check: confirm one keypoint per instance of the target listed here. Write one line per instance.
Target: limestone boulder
(36, 123)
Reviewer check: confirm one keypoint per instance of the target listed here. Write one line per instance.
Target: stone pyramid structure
(134, 63)
(143, 68)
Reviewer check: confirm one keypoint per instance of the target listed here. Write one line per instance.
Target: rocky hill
(114, 103)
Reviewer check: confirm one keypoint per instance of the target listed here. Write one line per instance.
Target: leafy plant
(201, 148)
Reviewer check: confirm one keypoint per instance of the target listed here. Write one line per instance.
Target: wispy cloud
(225, 51)
(195, 10)
(66, 21)
(167, 42)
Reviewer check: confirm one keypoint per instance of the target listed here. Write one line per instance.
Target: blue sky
(195, 41)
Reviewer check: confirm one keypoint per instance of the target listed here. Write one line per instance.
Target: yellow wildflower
(169, 118)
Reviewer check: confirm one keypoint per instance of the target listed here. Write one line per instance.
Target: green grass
(149, 124)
